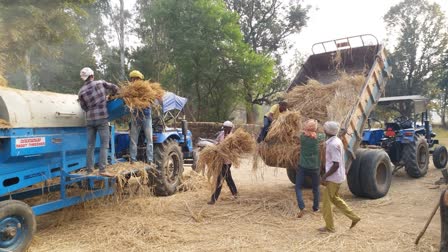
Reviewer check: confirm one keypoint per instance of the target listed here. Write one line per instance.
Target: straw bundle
(326, 102)
(285, 128)
(4, 124)
(140, 94)
(232, 149)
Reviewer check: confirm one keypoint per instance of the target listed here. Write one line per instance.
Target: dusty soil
(262, 219)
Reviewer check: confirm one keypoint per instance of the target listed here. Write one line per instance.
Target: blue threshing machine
(45, 146)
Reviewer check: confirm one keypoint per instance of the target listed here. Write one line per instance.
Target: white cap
(228, 124)
(332, 128)
(85, 73)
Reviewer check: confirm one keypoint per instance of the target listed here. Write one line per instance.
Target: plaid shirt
(92, 98)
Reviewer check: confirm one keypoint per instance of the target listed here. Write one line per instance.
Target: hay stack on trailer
(344, 84)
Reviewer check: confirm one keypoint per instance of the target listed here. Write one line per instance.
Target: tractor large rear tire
(353, 176)
(375, 174)
(17, 225)
(170, 165)
(291, 172)
(416, 157)
(440, 157)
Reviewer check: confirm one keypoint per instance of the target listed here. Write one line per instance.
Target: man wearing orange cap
(309, 164)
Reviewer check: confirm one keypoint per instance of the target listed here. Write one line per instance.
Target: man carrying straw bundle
(225, 171)
(93, 97)
(140, 119)
(333, 178)
(309, 164)
(269, 117)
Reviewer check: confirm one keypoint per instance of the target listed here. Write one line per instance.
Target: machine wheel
(17, 225)
(440, 157)
(416, 157)
(170, 166)
(353, 177)
(376, 174)
(291, 172)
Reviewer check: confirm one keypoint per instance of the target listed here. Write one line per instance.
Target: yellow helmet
(136, 74)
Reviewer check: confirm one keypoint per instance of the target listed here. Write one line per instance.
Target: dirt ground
(262, 219)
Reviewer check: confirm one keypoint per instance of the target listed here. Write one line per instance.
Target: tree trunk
(121, 38)
(29, 84)
(251, 113)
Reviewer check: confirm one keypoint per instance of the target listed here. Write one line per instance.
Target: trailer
(369, 170)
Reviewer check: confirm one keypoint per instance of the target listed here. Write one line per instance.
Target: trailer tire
(291, 172)
(376, 174)
(17, 225)
(353, 176)
(166, 177)
(416, 157)
(440, 157)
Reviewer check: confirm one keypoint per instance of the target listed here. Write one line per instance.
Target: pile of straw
(4, 124)
(232, 149)
(134, 184)
(140, 94)
(281, 147)
(326, 102)
(3, 81)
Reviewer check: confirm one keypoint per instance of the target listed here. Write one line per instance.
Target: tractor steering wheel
(404, 121)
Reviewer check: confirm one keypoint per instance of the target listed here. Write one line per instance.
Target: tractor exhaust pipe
(184, 130)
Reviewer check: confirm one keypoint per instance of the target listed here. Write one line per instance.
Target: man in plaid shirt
(92, 98)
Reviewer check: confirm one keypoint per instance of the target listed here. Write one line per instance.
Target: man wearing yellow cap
(140, 120)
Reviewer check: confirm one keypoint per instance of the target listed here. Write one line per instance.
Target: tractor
(408, 139)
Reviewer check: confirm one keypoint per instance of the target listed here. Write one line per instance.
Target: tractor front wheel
(166, 177)
(440, 157)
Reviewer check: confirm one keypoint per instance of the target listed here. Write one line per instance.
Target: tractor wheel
(170, 166)
(17, 225)
(291, 172)
(376, 174)
(353, 177)
(416, 157)
(440, 157)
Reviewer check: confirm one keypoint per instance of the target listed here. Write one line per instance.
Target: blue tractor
(171, 145)
(408, 139)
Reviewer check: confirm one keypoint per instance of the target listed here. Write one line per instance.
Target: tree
(203, 53)
(419, 29)
(33, 27)
(440, 91)
(266, 26)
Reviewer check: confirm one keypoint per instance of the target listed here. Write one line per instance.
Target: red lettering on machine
(22, 143)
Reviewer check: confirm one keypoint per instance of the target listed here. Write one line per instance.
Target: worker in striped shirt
(93, 100)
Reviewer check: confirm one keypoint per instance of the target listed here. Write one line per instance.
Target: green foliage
(266, 26)
(420, 30)
(202, 52)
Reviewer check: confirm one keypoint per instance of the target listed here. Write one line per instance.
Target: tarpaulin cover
(172, 102)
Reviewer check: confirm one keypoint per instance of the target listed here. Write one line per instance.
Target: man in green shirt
(309, 164)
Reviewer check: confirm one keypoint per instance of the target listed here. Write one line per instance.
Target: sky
(332, 19)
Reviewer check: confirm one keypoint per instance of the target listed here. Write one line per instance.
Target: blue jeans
(101, 127)
(300, 179)
(264, 130)
(136, 126)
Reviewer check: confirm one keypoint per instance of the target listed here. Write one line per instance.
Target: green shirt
(309, 152)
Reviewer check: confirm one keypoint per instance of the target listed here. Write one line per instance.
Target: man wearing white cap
(93, 98)
(225, 171)
(333, 178)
